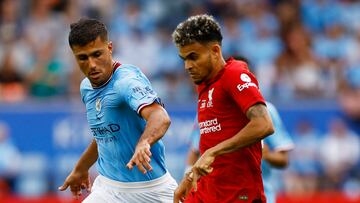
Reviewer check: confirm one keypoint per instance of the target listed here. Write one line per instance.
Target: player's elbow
(270, 129)
(166, 121)
(162, 118)
(267, 129)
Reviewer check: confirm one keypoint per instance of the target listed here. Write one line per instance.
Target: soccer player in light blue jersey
(275, 151)
(127, 121)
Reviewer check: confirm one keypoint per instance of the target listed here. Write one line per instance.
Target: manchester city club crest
(98, 104)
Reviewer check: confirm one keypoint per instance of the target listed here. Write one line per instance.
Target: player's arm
(251, 103)
(276, 148)
(79, 177)
(157, 123)
(259, 127)
(88, 158)
(185, 185)
(276, 158)
(193, 156)
(193, 152)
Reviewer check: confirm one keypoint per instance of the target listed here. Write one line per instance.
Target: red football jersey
(223, 102)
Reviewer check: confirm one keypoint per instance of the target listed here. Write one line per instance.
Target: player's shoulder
(126, 75)
(127, 69)
(235, 67)
(126, 72)
(85, 85)
(239, 65)
(238, 72)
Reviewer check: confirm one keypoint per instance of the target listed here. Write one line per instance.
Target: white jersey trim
(145, 104)
(285, 148)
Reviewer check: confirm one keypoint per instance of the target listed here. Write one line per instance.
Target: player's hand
(202, 167)
(141, 157)
(77, 181)
(182, 190)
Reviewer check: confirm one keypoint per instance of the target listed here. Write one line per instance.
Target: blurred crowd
(308, 49)
(325, 161)
(299, 50)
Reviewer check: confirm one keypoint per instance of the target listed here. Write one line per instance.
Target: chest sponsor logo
(105, 130)
(209, 126)
(245, 78)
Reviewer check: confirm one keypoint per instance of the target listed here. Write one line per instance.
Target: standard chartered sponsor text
(209, 126)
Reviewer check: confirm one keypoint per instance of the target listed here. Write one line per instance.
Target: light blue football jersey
(113, 116)
(280, 140)
(195, 135)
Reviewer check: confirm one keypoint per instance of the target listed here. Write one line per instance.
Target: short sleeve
(140, 93)
(243, 87)
(280, 140)
(195, 135)
(83, 89)
(82, 95)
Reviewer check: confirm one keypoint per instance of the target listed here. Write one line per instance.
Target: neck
(217, 68)
(107, 81)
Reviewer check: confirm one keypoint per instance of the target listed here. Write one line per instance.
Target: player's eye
(97, 54)
(82, 58)
(192, 57)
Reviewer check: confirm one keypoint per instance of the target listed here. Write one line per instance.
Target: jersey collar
(220, 73)
(115, 65)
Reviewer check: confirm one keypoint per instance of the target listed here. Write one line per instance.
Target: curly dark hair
(87, 30)
(200, 28)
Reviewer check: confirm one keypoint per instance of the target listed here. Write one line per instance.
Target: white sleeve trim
(285, 147)
(145, 104)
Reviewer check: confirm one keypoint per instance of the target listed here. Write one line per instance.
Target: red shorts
(215, 193)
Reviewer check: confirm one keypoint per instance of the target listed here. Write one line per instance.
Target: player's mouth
(95, 75)
(193, 75)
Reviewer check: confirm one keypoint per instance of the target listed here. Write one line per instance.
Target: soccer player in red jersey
(232, 118)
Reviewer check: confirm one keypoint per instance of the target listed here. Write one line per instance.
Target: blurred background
(305, 53)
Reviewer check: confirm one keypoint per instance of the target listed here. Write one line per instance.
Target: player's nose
(92, 64)
(188, 65)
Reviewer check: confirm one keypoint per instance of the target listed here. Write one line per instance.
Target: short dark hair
(87, 30)
(199, 28)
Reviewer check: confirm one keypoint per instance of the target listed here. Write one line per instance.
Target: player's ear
(216, 50)
(110, 47)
